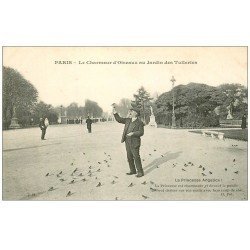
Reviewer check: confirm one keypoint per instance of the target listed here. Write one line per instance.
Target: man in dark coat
(133, 130)
(89, 122)
(43, 128)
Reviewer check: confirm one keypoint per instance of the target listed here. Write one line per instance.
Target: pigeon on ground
(149, 154)
(72, 164)
(83, 179)
(83, 153)
(108, 166)
(99, 184)
(98, 170)
(153, 189)
(131, 184)
(69, 194)
(162, 155)
(200, 166)
(210, 172)
(189, 162)
(157, 166)
(51, 189)
(233, 160)
(183, 169)
(185, 165)
(90, 167)
(105, 153)
(75, 170)
(62, 180)
(58, 175)
(203, 174)
(113, 182)
(145, 197)
(116, 198)
(60, 172)
(203, 169)
(73, 181)
(96, 178)
(47, 174)
(99, 162)
(225, 169)
(80, 174)
(144, 183)
(151, 182)
(155, 150)
(143, 160)
(90, 174)
(116, 177)
(236, 172)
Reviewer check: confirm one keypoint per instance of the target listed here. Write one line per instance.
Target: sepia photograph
(124, 123)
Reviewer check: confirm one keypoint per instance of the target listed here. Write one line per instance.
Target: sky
(62, 84)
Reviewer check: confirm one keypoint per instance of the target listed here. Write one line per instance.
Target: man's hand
(130, 134)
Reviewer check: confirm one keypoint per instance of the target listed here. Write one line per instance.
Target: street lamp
(173, 114)
(61, 110)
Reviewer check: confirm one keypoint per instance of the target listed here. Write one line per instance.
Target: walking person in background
(133, 130)
(43, 128)
(89, 124)
(244, 121)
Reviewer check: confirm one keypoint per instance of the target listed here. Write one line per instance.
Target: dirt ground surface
(72, 164)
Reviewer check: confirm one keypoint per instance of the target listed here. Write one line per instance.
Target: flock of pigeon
(90, 173)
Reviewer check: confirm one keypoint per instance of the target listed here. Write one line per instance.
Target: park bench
(213, 134)
(230, 123)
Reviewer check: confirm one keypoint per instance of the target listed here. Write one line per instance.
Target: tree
(194, 105)
(124, 106)
(18, 94)
(72, 110)
(42, 110)
(92, 109)
(143, 102)
(234, 97)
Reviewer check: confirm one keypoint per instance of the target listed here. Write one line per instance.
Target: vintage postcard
(124, 123)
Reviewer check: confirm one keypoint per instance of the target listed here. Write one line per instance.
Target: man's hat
(136, 110)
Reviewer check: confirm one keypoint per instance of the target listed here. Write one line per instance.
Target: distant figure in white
(46, 122)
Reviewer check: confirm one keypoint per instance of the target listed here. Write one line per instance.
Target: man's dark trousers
(43, 133)
(133, 155)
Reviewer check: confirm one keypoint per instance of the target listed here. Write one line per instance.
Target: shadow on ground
(157, 162)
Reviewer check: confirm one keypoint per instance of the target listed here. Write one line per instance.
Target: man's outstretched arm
(118, 118)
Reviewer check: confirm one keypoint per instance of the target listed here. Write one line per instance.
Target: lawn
(236, 134)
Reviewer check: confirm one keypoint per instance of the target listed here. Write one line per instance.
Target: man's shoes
(131, 173)
(139, 175)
